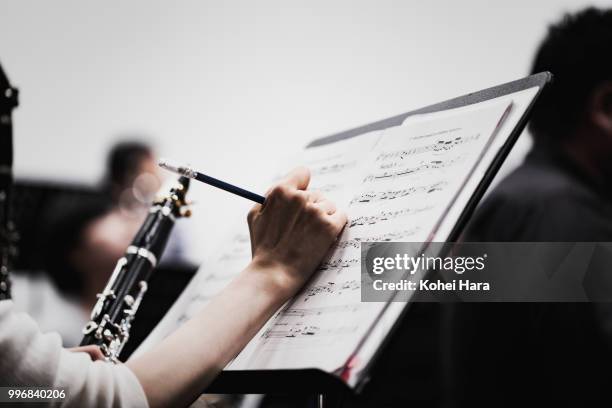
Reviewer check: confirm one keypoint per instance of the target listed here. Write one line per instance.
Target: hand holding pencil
(294, 230)
(291, 234)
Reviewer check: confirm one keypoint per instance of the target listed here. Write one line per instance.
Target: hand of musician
(290, 235)
(94, 351)
(292, 231)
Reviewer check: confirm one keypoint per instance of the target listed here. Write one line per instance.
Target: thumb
(298, 178)
(94, 351)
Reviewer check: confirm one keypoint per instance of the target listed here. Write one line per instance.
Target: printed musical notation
(394, 194)
(440, 145)
(339, 263)
(318, 311)
(291, 331)
(287, 330)
(385, 216)
(423, 161)
(393, 235)
(325, 188)
(332, 168)
(355, 243)
(411, 171)
(331, 288)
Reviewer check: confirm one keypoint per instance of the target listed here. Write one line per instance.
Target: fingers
(315, 196)
(94, 351)
(326, 206)
(253, 212)
(298, 178)
(338, 220)
(286, 198)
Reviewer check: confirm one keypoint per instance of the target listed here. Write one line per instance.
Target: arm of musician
(30, 358)
(290, 235)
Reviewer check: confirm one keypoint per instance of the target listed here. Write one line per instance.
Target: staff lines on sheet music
(383, 216)
(402, 205)
(326, 159)
(440, 145)
(333, 168)
(339, 263)
(356, 243)
(318, 311)
(331, 288)
(297, 330)
(410, 171)
(325, 188)
(392, 236)
(374, 196)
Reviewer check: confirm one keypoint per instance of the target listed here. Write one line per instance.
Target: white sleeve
(33, 359)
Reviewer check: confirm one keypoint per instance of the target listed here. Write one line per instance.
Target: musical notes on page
(383, 216)
(331, 288)
(395, 185)
(372, 196)
(439, 146)
(402, 189)
(409, 171)
(292, 331)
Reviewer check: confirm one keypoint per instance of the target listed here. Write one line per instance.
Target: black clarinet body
(116, 307)
(8, 235)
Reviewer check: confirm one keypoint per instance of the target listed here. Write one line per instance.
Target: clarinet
(116, 307)
(8, 235)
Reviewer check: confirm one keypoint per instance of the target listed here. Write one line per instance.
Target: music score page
(395, 184)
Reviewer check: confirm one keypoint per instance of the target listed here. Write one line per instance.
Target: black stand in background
(8, 236)
(330, 390)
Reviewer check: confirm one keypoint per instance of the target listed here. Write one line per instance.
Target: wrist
(273, 278)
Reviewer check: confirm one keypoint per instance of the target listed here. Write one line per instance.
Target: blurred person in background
(132, 180)
(132, 177)
(85, 237)
(562, 192)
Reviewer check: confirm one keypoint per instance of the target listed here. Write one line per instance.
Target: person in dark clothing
(504, 353)
(549, 198)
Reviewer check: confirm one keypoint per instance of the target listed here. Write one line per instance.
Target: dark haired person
(131, 181)
(132, 176)
(561, 192)
(83, 236)
(290, 235)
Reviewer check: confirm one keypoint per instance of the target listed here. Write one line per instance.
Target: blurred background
(215, 83)
(227, 86)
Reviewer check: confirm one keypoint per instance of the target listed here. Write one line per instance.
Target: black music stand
(314, 381)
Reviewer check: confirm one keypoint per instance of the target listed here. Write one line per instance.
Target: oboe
(116, 307)
(8, 236)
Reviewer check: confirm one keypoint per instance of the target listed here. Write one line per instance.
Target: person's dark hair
(577, 50)
(123, 160)
(63, 236)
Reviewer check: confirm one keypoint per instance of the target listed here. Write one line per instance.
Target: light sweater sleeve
(33, 359)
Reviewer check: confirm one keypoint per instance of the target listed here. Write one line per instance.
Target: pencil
(191, 173)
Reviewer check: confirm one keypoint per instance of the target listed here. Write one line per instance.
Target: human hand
(94, 351)
(292, 231)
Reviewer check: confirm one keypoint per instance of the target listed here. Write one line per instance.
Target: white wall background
(216, 83)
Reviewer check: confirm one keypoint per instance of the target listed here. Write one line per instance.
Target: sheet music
(395, 185)
(331, 167)
(520, 101)
(409, 178)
